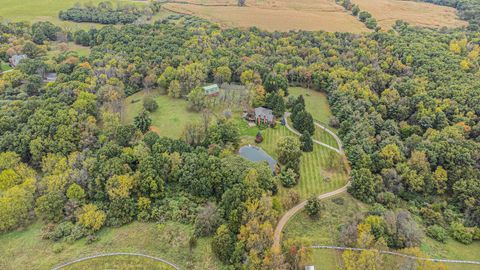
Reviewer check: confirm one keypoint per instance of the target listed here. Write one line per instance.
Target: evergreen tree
(306, 142)
(143, 121)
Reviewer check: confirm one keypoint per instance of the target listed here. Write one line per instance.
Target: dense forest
(104, 13)
(406, 102)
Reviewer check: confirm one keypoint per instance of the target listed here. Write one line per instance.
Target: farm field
(270, 15)
(168, 241)
(170, 118)
(386, 12)
(120, 262)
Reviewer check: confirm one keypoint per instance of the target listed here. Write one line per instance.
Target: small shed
(15, 60)
(309, 267)
(264, 115)
(211, 90)
(50, 77)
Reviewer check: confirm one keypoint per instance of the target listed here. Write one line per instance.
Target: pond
(256, 154)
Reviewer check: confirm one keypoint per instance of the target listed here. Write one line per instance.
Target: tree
(303, 122)
(288, 178)
(274, 82)
(364, 185)
(289, 152)
(223, 74)
(149, 104)
(50, 206)
(223, 244)
(313, 207)
(75, 193)
(119, 186)
(207, 221)
(174, 89)
(291, 199)
(142, 121)
(91, 218)
(306, 142)
(196, 99)
(276, 103)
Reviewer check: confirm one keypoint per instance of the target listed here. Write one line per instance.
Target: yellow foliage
(91, 217)
(119, 186)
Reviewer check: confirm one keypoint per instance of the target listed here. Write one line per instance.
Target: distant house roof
(50, 77)
(264, 113)
(15, 60)
(211, 89)
(309, 267)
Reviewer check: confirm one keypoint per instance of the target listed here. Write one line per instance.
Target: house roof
(211, 89)
(264, 113)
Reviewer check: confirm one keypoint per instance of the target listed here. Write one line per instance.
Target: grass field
(27, 250)
(170, 118)
(271, 14)
(316, 103)
(120, 262)
(421, 14)
(47, 10)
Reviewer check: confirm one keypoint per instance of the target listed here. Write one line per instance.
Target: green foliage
(438, 233)
(306, 142)
(364, 185)
(223, 244)
(313, 207)
(288, 178)
(289, 153)
(149, 104)
(49, 207)
(143, 121)
(461, 233)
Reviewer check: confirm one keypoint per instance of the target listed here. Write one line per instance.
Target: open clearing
(170, 118)
(421, 14)
(27, 250)
(280, 15)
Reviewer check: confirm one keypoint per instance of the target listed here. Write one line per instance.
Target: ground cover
(170, 118)
(120, 262)
(170, 241)
(270, 15)
(386, 12)
(4, 66)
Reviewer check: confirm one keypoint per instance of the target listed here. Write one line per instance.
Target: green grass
(27, 250)
(169, 120)
(47, 10)
(315, 178)
(120, 262)
(4, 66)
(316, 103)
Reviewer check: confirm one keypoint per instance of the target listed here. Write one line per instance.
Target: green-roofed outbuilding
(211, 90)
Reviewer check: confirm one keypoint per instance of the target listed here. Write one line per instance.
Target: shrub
(313, 207)
(150, 104)
(438, 233)
(288, 178)
(207, 220)
(461, 233)
(292, 199)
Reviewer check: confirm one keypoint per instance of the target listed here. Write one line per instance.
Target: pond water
(256, 154)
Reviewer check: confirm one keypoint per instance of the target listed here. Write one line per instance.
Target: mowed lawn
(316, 103)
(170, 241)
(120, 262)
(169, 120)
(315, 177)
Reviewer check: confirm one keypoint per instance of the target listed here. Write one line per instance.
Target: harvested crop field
(281, 15)
(421, 14)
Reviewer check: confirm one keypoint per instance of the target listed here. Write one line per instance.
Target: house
(309, 267)
(50, 77)
(15, 60)
(264, 116)
(211, 90)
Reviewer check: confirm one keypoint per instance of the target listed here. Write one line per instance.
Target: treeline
(104, 13)
(364, 16)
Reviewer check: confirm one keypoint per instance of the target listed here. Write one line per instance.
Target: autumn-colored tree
(91, 218)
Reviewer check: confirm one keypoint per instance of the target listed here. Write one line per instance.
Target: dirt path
(290, 213)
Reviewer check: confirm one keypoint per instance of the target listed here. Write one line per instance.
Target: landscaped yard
(315, 176)
(27, 250)
(170, 118)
